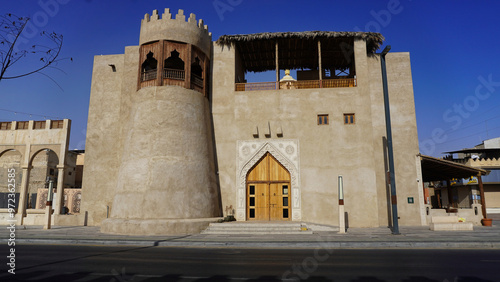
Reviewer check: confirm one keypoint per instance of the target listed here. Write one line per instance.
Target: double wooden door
(268, 191)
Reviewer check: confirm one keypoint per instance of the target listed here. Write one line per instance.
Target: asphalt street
(153, 263)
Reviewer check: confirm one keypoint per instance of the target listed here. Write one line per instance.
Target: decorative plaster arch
(286, 152)
(35, 149)
(6, 148)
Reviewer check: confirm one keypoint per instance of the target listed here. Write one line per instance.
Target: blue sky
(454, 49)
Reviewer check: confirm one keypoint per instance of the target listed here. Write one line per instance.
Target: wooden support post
(450, 196)
(206, 68)
(277, 67)
(161, 57)
(481, 192)
(320, 68)
(187, 67)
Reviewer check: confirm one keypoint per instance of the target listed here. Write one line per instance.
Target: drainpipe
(394, 202)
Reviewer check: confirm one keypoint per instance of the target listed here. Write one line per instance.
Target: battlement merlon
(195, 32)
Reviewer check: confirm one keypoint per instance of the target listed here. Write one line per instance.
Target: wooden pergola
(292, 50)
(434, 169)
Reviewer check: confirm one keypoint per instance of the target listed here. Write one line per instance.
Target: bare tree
(42, 55)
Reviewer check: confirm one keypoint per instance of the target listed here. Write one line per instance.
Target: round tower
(166, 179)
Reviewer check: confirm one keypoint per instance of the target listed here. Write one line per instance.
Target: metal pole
(341, 206)
(394, 201)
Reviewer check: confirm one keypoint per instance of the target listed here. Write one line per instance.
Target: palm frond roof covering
(298, 50)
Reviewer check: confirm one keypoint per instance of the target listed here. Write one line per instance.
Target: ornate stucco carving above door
(249, 152)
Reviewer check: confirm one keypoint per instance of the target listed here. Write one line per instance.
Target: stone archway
(286, 153)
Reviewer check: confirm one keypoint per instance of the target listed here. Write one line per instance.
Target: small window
(285, 190)
(285, 201)
(285, 213)
(22, 124)
(5, 125)
(322, 119)
(252, 202)
(252, 213)
(349, 119)
(252, 190)
(39, 124)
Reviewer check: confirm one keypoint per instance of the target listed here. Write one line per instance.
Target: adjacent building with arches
(34, 152)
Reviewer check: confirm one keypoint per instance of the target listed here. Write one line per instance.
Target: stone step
(253, 232)
(256, 228)
(459, 226)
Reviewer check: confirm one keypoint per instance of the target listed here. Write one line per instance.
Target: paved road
(101, 263)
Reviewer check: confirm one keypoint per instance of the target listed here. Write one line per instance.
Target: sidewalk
(410, 237)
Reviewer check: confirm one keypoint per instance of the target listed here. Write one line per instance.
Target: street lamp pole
(392, 179)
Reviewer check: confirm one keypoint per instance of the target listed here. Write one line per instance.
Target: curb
(268, 245)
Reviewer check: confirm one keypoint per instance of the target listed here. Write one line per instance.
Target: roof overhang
(474, 150)
(434, 169)
(299, 49)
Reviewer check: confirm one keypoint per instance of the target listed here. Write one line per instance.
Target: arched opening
(197, 73)
(149, 67)
(268, 190)
(174, 66)
(43, 168)
(11, 176)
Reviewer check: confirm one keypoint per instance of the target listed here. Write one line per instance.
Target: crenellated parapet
(486, 163)
(166, 27)
(478, 162)
(174, 52)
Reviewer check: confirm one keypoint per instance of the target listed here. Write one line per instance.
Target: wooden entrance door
(268, 191)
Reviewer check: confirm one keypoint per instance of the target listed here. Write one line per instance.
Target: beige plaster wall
(165, 169)
(405, 139)
(103, 135)
(354, 151)
(404, 135)
(492, 195)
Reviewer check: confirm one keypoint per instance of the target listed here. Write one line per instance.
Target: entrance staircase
(257, 228)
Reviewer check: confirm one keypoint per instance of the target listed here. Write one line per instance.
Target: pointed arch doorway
(268, 191)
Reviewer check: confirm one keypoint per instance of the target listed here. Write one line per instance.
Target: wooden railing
(341, 82)
(174, 74)
(197, 80)
(148, 75)
(306, 84)
(299, 84)
(255, 86)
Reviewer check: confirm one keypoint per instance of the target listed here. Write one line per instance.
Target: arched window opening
(174, 66)
(148, 70)
(197, 73)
